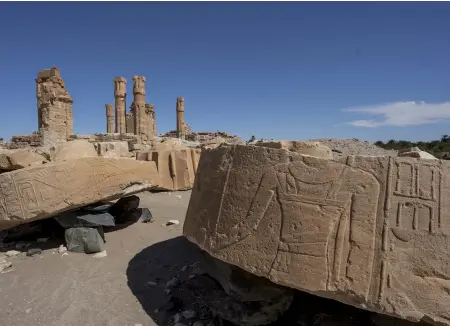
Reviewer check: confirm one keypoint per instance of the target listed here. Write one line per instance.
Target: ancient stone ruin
(120, 95)
(55, 119)
(371, 232)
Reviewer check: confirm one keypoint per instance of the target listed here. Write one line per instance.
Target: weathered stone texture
(14, 160)
(39, 192)
(368, 231)
(72, 150)
(113, 149)
(180, 118)
(305, 148)
(130, 121)
(415, 152)
(176, 168)
(120, 95)
(55, 119)
(109, 118)
(140, 117)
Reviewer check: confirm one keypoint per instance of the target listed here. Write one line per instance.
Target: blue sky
(273, 70)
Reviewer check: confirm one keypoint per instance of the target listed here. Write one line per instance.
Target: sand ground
(76, 289)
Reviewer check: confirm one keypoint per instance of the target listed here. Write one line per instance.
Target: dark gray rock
(75, 219)
(123, 206)
(85, 239)
(34, 252)
(145, 215)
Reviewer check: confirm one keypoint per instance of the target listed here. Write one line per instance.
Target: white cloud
(401, 114)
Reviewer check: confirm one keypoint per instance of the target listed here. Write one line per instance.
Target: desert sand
(125, 288)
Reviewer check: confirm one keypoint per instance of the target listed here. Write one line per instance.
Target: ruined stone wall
(151, 120)
(54, 103)
(109, 118)
(130, 123)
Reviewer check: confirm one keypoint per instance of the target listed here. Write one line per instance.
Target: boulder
(302, 147)
(14, 160)
(415, 152)
(176, 168)
(372, 232)
(72, 150)
(43, 191)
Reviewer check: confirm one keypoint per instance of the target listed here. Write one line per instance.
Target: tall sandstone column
(109, 118)
(140, 115)
(180, 117)
(152, 122)
(120, 95)
(54, 103)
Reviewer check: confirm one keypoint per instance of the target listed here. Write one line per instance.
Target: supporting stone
(180, 118)
(120, 95)
(54, 103)
(109, 118)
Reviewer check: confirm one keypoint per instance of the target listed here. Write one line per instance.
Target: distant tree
(445, 138)
(252, 139)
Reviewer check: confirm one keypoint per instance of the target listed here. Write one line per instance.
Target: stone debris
(172, 222)
(68, 185)
(176, 167)
(415, 152)
(101, 254)
(12, 253)
(146, 216)
(19, 159)
(4, 265)
(34, 252)
(85, 239)
(42, 240)
(287, 217)
(72, 150)
(62, 249)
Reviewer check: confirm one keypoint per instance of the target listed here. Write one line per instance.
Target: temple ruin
(120, 96)
(54, 103)
(180, 118)
(109, 118)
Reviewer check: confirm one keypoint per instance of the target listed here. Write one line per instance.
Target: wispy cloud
(401, 114)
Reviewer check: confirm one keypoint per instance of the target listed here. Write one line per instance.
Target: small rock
(100, 254)
(191, 276)
(146, 215)
(173, 282)
(178, 196)
(28, 311)
(151, 283)
(167, 291)
(177, 318)
(188, 314)
(62, 249)
(65, 254)
(33, 252)
(4, 265)
(12, 253)
(184, 268)
(172, 222)
(42, 240)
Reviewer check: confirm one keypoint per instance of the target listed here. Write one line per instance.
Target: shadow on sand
(150, 270)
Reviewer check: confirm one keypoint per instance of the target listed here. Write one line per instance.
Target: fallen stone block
(72, 150)
(176, 168)
(415, 152)
(372, 232)
(44, 191)
(14, 160)
(113, 149)
(302, 147)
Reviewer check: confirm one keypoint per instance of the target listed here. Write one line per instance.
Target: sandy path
(77, 289)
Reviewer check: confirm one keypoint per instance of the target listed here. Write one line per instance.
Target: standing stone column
(153, 130)
(180, 117)
(140, 116)
(109, 118)
(120, 95)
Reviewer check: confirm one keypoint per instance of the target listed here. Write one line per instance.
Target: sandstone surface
(13, 160)
(415, 152)
(372, 232)
(302, 147)
(176, 168)
(39, 192)
(72, 150)
(114, 149)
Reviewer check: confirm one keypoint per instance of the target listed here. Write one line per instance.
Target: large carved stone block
(176, 168)
(39, 192)
(372, 232)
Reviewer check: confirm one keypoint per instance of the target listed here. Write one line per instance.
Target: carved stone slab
(38, 192)
(372, 232)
